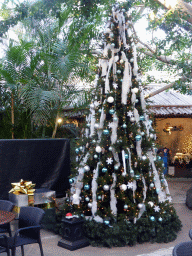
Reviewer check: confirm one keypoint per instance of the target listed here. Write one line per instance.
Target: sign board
(171, 170)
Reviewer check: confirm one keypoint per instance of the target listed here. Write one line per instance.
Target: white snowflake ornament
(130, 185)
(156, 208)
(115, 86)
(109, 160)
(130, 113)
(110, 125)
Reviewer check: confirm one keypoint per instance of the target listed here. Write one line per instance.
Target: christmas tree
(119, 186)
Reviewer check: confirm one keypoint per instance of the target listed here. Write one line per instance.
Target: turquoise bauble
(157, 190)
(81, 148)
(126, 156)
(160, 219)
(124, 126)
(70, 180)
(115, 119)
(137, 177)
(100, 110)
(106, 132)
(99, 197)
(138, 137)
(77, 150)
(95, 156)
(158, 158)
(104, 169)
(152, 185)
(125, 206)
(106, 222)
(110, 148)
(142, 133)
(142, 118)
(87, 199)
(116, 167)
(86, 187)
(111, 111)
(88, 125)
(118, 71)
(152, 218)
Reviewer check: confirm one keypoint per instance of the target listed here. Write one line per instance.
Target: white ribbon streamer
(101, 123)
(113, 202)
(161, 194)
(144, 189)
(114, 129)
(94, 189)
(135, 68)
(128, 149)
(103, 63)
(124, 163)
(79, 184)
(92, 128)
(134, 188)
(116, 157)
(126, 84)
(138, 148)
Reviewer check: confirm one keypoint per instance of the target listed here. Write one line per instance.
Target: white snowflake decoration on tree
(115, 86)
(109, 160)
(130, 185)
(130, 113)
(110, 125)
(156, 208)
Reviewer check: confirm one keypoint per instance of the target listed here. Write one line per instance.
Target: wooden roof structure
(170, 104)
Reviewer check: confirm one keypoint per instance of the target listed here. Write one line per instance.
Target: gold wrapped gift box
(24, 194)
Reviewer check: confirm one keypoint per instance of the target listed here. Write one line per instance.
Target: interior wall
(177, 141)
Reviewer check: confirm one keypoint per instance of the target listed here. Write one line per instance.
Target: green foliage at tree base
(127, 233)
(123, 232)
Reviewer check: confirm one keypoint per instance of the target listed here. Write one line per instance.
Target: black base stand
(73, 236)
(73, 245)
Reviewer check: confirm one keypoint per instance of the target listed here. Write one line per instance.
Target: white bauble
(132, 119)
(121, 61)
(135, 90)
(89, 205)
(96, 126)
(140, 206)
(123, 187)
(98, 149)
(144, 158)
(106, 187)
(86, 168)
(151, 135)
(92, 105)
(110, 99)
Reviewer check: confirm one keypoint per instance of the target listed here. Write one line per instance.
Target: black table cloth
(45, 162)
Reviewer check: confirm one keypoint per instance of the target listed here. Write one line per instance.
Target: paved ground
(178, 188)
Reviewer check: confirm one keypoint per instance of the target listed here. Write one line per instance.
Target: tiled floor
(178, 188)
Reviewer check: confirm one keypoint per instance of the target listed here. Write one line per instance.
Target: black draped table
(45, 162)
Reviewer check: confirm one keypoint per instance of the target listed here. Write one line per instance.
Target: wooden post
(55, 129)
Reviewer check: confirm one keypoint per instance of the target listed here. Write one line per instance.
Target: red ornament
(69, 214)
